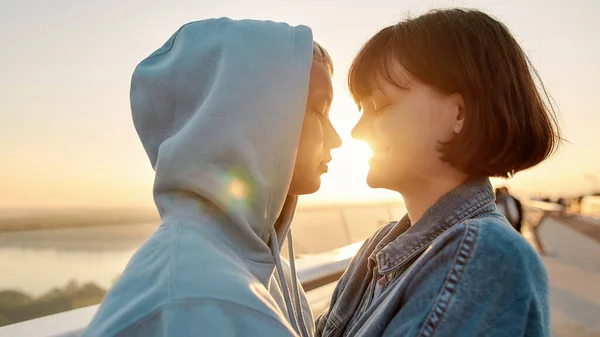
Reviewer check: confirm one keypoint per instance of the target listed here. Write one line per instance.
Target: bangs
(378, 62)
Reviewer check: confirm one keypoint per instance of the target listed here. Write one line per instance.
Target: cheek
(442, 120)
(311, 142)
(410, 131)
(401, 128)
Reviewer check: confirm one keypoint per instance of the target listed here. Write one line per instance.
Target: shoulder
(167, 272)
(211, 316)
(495, 235)
(490, 243)
(225, 300)
(483, 268)
(207, 317)
(200, 270)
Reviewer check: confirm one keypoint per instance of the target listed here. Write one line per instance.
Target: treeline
(16, 306)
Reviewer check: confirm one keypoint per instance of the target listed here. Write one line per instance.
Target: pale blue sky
(66, 134)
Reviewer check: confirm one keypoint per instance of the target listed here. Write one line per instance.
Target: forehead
(320, 80)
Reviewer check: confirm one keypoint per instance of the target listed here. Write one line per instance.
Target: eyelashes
(320, 112)
(380, 111)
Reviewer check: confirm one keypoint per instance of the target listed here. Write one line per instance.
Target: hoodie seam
(269, 205)
(174, 247)
(176, 36)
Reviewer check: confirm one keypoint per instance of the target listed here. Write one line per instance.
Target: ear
(458, 112)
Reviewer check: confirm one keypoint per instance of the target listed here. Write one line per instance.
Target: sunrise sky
(66, 135)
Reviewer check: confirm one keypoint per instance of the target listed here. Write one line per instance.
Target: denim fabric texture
(460, 270)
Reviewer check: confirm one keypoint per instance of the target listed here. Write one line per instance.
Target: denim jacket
(460, 270)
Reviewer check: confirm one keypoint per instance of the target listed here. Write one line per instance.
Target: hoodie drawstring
(295, 287)
(283, 282)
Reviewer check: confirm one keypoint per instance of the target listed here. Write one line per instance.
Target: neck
(421, 195)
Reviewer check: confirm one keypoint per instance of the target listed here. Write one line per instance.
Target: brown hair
(508, 126)
(321, 55)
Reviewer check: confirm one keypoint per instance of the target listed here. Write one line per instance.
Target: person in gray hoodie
(234, 117)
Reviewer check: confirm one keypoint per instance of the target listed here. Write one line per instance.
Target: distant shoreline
(24, 220)
(10, 228)
(35, 220)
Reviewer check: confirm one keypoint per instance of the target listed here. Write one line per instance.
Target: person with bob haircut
(448, 100)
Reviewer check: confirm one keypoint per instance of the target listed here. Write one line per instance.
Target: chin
(377, 179)
(307, 187)
(316, 185)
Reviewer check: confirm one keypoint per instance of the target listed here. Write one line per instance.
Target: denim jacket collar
(474, 197)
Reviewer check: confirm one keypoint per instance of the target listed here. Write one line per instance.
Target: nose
(333, 140)
(361, 130)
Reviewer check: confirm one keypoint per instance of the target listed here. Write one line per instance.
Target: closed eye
(323, 112)
(380, 111)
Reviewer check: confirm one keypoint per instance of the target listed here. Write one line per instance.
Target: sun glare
(347, 176)
(350, 164)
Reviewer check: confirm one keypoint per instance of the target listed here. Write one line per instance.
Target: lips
(380, 150)
(323, 167)
(323, 164)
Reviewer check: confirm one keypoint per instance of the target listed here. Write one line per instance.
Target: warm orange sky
(67, 138)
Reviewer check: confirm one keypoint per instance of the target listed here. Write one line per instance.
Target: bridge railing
(317, 272)
(314, 271)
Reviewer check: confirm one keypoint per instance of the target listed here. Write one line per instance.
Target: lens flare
(238, 189)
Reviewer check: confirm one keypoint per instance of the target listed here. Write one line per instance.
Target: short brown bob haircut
(508, 126)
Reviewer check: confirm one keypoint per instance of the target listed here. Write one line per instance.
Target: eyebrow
(325, 97)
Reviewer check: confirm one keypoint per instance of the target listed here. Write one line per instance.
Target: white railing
(316, 272)
(590, 206)
(543, 206)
